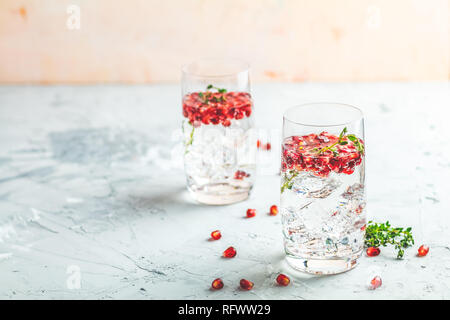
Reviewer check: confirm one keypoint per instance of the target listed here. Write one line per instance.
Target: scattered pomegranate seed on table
(375, 283)
(268, 146)
(217, 284)
(423, 250)
(246, 284)
(229, 253)
(258, 144)
(283, 280)
(273, 210)
(251, 213)
(373, 251)
(216, 235)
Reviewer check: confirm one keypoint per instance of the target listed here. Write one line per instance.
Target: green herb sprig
(190, 140)
(220, 90)
(356, 142)
(382, 234)
(288, 180)
(206, 97)
(342, 136)
(340, 141)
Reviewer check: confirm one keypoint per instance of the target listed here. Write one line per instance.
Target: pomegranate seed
(251, 213)
(246, 284)
(258, 144)
(375, 283)
(217, 284)
(423, 250)
(239, 116)
(226, 123)
(283, 280)
(229, 253)
(268, 146)
(216, 235)
(273, 210)
(373, 251)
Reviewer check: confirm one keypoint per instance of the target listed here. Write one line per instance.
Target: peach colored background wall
(138, 41)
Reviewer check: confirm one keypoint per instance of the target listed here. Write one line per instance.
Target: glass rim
(359, 118)
(245, 67)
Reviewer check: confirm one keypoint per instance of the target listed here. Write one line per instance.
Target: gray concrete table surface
(92, 189)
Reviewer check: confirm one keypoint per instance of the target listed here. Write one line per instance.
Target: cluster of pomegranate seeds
(216, 107)
(229, 253)
(217, 284)
(273, 210)
(375, 283)
(216, 235)
(373, 251)
(251, 213)
(423, 250)
(283, 280)
(246, 284)
(239, 175)
(322, 153)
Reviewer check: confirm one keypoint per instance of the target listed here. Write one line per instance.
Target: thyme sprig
(382, 234)
(356, 142)
(206, 97)
(340, 141)
(220, 90)
(190, 140)
(288, 180)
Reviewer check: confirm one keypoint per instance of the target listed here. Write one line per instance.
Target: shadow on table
(164, 198)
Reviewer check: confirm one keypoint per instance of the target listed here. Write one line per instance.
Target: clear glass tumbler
(322, 187)
(220, 151)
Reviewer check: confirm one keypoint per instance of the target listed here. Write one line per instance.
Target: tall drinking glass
(220, 153)
(322, 187)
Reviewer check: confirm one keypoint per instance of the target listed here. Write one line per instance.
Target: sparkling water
(220, 161)
(324, 219)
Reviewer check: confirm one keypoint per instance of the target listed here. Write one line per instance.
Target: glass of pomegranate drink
(322, 187)
(220, 144)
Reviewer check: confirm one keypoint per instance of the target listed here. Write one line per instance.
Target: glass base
(219, 194)
(323, 266)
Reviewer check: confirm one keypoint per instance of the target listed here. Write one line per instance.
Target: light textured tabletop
(92, 189)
